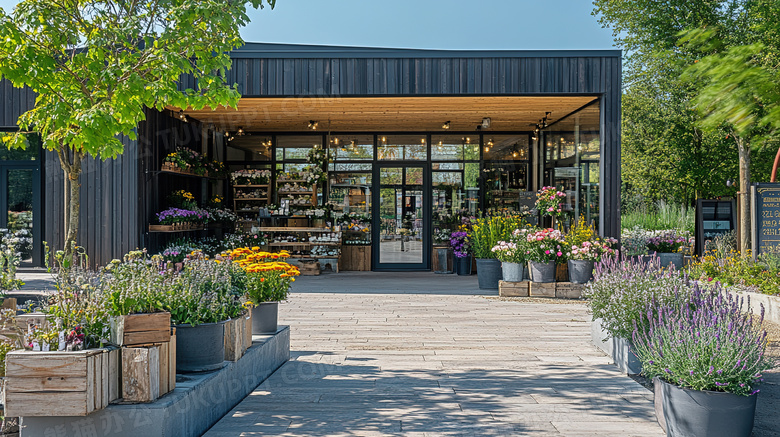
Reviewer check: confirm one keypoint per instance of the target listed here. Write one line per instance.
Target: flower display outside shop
(268, 276)
(172, 216)
(591, 251)
(459, 241)
(705, 341)
(668, 241)
(486, 232)
(515, 250)
(549, 201)
(546, 245)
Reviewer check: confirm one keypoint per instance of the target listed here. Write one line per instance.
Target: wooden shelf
(290, 181)
(293, 193)
(274, 229)
(188, 175)
(251, 186)
(250, 198)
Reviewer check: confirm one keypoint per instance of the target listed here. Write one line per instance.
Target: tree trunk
(70, 161)
(744, 196)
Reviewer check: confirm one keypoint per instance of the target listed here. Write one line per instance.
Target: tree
(95, 66)
(651, 32)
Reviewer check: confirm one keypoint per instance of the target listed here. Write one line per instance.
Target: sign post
(766, 218)
(713, 218)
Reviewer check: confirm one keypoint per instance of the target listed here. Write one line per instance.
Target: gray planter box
(617, 348)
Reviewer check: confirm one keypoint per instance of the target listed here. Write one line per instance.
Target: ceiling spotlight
(446, 125)
(422, 141)
(313, 124)
(336, 141)
(384, 139)
(487, 149)
(486, 122)
(490, 142)
(240, 131)
(182, 116)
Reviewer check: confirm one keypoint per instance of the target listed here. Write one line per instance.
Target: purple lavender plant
(706, 341)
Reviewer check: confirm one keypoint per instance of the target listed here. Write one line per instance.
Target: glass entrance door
(20, 203)
(401, 217)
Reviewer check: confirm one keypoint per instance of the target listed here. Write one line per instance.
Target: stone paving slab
(438, 364)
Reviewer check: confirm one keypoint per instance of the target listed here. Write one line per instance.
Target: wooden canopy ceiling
(388, 114)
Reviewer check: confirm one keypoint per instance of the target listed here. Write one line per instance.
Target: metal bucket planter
(580, 271)
(464, 265)
(542, 272)
(690, 413)
(513, 272)
(488, 273)
(200, 348)
(675, 259)
(265, 317)
(443, 259)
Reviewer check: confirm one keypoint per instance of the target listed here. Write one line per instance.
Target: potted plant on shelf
(544, 248)
(668, 246)
(513, 256)
(461, 249)
(706, 354)
(268, 280)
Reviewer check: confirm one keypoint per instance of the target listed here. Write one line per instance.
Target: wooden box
(512, 289)
(355, 258)
(297, 222)
(236, 337)
(567, 290)
(562, 272)
(141, 329)
(161, 228)
(61, 383)
(309, 267)
(148, 372)
(541, 289)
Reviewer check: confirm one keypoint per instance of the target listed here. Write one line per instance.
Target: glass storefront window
(296, 147)
(573, 155)
(504, 183)
(249, 148)
(402, 148)
(351, 148)
(30, 153)
(454, 148)
(350, 193)
(506, 148)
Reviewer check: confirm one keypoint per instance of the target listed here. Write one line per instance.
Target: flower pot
(580, 271)
(443, 258)
(200, 348)
(464, 265)
(706, 413)
(676, 259)
(264, 318)
(513, 272)
(488, 273)
(542, 272)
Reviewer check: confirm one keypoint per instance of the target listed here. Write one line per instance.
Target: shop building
(412, 135)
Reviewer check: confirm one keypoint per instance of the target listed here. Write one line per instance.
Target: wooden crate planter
(567, 290)
(512, 289)
(236, 339)
(61, 383)
(141, 329)
(541, 289)
(148, 372)
(160, 228)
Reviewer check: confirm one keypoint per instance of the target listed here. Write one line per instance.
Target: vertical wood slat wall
(119, 196)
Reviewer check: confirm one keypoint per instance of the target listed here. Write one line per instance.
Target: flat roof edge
(295, 51)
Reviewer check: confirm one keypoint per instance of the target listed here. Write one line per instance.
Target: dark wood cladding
(109, 222)
(424, 76)
(15, 102)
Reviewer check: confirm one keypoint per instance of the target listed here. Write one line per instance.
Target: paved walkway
(397, 363)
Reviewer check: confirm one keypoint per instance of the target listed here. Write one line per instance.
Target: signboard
(766, 218)
(714, 217)
(528, 199)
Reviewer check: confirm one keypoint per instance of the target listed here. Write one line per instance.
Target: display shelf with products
(304, 242)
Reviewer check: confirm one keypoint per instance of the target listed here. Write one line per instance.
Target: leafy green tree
(95, 65)
(668, 77)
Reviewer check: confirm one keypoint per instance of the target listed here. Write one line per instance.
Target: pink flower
(551, 209)
(547, 252)
(559, 254)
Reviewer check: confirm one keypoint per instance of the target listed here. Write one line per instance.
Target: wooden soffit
(389, 114)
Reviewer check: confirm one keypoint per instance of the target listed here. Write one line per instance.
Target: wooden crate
(541, 289)
(236, 339)
(512, 289)
(9, 303)
(562, 272)
(309, 267)
(355, 258)
(141, 329)
(567, 290)
(148, 372)
(61, 383)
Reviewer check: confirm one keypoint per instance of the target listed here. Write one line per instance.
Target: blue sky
(436, 24)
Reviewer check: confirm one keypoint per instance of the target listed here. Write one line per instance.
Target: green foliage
(486, 232)
(733, 270)
(660, 216)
